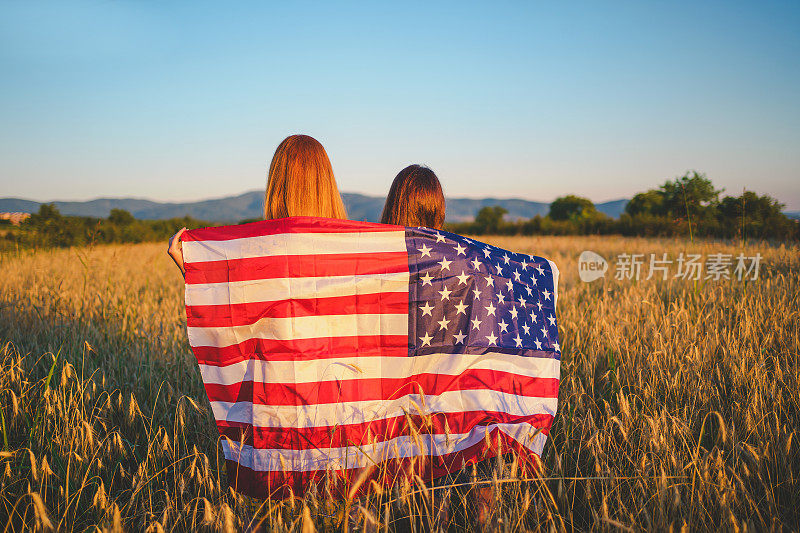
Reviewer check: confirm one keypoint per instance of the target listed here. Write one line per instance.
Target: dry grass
(679, 403)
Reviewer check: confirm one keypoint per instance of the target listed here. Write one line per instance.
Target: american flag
(329, 347)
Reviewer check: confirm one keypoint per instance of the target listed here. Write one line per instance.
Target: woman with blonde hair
(300, 182)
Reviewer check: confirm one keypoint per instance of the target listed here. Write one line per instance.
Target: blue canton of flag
(473, 298)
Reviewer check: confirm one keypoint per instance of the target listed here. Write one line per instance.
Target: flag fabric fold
(337, 350)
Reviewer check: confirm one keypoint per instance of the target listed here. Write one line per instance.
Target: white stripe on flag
(356, 412)
(277, 289)
(346, 368)
(556, 273)
(266, 460)
(301, 327)
(295, 244)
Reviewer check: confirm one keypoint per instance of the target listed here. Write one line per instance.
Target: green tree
(489, 219)
(692, 193)
(47, 212)
(646, 203)
(756, 216)
(50, 228)
(120, 217)
(690, 199)
(750, 206)
(573, 208)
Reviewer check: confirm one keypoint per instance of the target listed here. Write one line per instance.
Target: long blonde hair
(300, 181)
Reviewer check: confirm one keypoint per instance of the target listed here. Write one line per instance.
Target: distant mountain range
(249, 205)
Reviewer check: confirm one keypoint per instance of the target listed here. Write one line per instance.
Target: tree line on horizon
(687, 206)
(49, 228)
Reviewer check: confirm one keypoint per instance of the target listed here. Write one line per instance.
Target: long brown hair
(415, 199)
(300, 181)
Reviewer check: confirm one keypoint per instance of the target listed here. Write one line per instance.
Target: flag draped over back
(330, 346)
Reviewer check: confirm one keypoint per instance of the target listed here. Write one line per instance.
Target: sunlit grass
(679, 403)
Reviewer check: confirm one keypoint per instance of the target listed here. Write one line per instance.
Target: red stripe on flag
(285, 225)
(376, 388)
(295, 266)
(228, 315)
(358, 434)
(280, 485)
(304, 349)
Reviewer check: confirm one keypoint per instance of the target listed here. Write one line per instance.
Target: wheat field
(679, 405)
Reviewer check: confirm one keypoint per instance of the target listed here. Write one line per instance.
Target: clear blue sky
(188, 100)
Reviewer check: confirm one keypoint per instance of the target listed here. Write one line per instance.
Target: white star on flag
(426, 340)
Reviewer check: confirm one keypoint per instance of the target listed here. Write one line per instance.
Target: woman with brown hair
(415, 199)
(300, 182)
